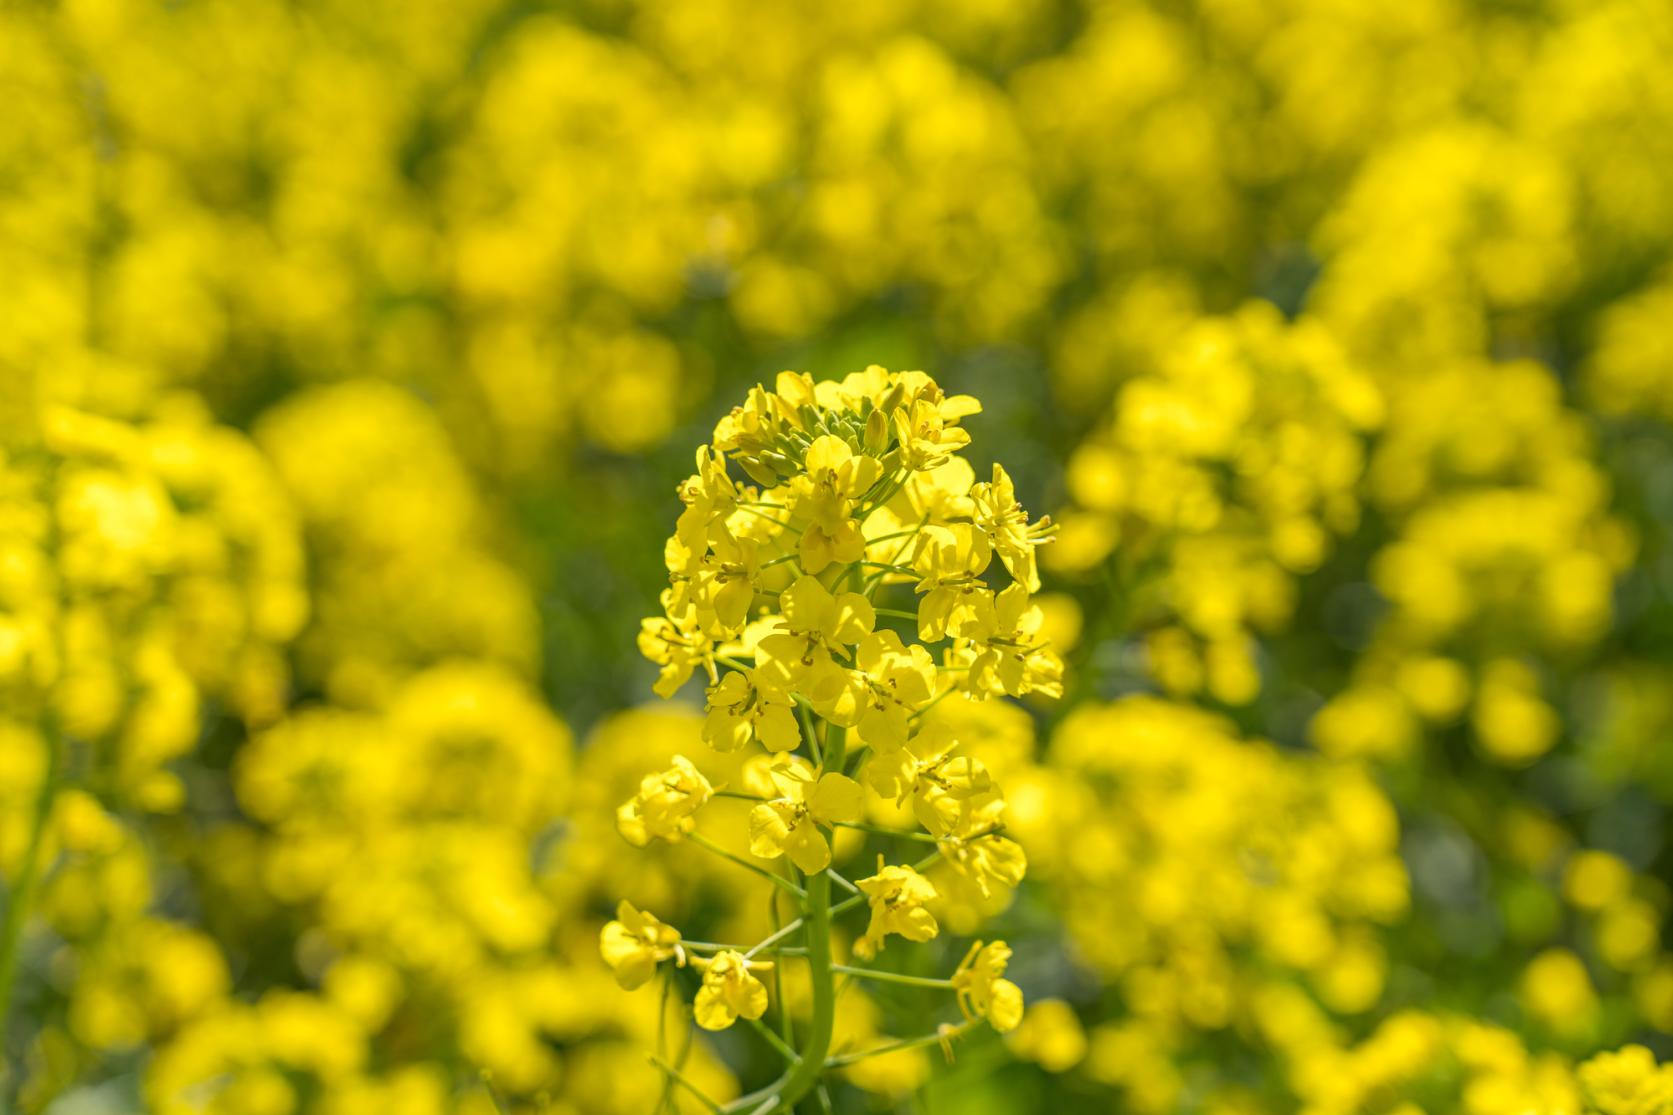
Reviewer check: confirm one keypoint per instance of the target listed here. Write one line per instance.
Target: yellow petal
(777, 729)
(631, 825)
(836, 798)
(827, 452)
(805, 604)
(815, 551)
(807, 849)
(918, 925)
(854, 619)
(749, 997)
(768, 831)
(626, 955)
(1005, 1006)
(731, 602)
(712, 1010)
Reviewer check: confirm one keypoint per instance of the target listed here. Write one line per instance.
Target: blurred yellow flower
(665, 806)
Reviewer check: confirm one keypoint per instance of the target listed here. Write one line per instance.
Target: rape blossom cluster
(852, 497)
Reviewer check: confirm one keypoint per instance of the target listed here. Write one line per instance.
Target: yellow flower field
(612, 558)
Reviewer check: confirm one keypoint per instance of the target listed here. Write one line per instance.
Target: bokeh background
(351, 351)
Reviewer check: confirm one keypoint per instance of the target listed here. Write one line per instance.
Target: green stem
(897, 613)
(493, 1092)
(803, 1076)
(786, 1027)
(705, 843)
(805, 711)
(939, 697)
(876, 579)
(774, 1040)
(679, 1078)
(770, 519)
(716, 946)
(23, 890)
(766, 943)
(891, 977)
(948, 1034)
(884, 830)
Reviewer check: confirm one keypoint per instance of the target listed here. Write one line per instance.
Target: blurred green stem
(23, 893)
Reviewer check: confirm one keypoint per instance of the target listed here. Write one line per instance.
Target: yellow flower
(925, 435)
(709, 496)
(1627, 1082)
(818, 625)
(981, 990)
(634, 944)
(1009, 655)
(901, 680)
(950, 561)
(1003, 520)
(897, 896)
(664, 805)
(724, 581)
(1051, 1036)
(729, 991)
(789, 824)
(926, 770)
(972, 844)
(740, 708)
(676, 642)
(1557, 990)
(836, 476)
(942, 494)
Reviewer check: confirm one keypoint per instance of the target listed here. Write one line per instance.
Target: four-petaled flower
(1005, 523)
(741, 707)
(927, 431)
(949, 562)
(940, 784)
(836, 476)
(897, 896)
(900, 680)
(789, 824)
(664, 805)
(970, 840)
(675, 641)
(1006, 654)
(729, 991)
(819, 626)
(635, 943)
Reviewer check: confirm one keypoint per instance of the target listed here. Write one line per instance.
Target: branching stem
(706, 844)
(891, 977)
(943, 1035)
